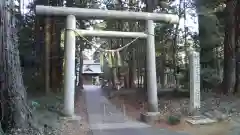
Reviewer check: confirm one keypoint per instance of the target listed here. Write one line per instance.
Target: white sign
(194, 64)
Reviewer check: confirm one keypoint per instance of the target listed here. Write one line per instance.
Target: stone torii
(70, 41)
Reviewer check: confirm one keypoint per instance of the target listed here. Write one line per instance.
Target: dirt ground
(47, 115)
(135, 104)
(81, 127)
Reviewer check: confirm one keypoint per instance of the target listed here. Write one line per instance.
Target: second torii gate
(70, 41)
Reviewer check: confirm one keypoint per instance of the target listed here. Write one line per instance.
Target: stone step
(216, 115)
(125, 125)
(200, 120)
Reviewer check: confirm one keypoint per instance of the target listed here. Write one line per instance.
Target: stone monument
(194, 65)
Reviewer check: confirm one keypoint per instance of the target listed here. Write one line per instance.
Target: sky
(191, 22)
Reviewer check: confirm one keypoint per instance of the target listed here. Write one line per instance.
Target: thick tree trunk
(229, 78)
(59, 59)
(237, 42)
(54, 54)
(14, 109)
(47, 53)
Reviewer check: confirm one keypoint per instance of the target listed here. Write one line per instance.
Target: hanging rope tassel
(110, 61)
(114, 58)
(101, 60)
(119, 59)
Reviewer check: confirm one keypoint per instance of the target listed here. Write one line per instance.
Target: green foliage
(211, 34)
(173, 120)
(211, 77)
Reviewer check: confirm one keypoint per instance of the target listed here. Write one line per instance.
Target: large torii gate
(70, 41)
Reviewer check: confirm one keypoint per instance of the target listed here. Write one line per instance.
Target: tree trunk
(55, 82)
(82, 47)
(174, 53)
(237, 42)
(162, 70)
(47, 54)
(39, 52)
(132, 71)
(229, 78)
(59, 59)
(138, 66)
(12, 92)
(80, 83)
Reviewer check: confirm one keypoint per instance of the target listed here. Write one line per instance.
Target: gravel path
(111, 121)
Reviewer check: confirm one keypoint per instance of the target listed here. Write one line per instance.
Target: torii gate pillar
(69, 66)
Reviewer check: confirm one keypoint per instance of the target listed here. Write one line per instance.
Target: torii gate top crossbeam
(105, 14)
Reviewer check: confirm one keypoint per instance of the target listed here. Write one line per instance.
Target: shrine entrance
(70, 41)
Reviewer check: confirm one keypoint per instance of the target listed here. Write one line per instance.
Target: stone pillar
(69, 69)
(151, 69)
(194, 67)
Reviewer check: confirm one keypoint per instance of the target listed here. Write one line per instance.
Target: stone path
(105, 119)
